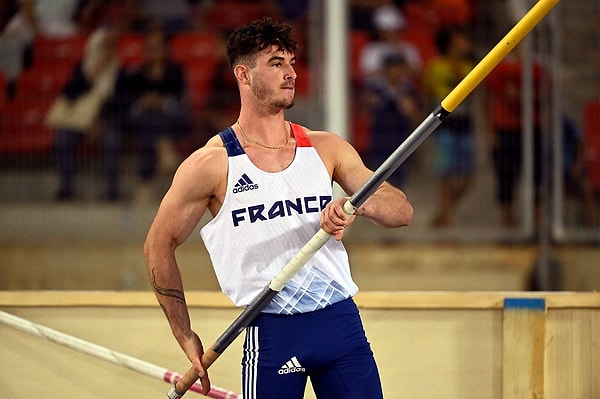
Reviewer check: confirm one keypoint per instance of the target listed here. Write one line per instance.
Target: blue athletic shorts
(328, 346)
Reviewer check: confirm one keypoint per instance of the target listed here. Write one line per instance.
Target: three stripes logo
(244, 184)
(291, 366)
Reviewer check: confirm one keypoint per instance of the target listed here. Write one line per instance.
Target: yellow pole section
(493, 58)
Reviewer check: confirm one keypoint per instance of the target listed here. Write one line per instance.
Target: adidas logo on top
(244, 184)
(291, 366)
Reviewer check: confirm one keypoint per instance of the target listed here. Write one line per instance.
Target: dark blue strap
(231, 142)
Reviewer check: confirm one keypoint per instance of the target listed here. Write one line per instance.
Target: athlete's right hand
(194, 350)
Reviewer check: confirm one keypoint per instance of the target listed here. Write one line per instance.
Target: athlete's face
(273, 78)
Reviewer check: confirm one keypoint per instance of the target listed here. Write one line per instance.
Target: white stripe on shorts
(251, 364)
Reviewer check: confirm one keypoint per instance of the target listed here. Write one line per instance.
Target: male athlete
(268, 185)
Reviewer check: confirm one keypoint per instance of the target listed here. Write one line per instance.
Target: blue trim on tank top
(231, 143)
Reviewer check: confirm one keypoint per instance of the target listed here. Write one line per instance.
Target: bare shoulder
(323, 138)
(331, 147)
(343, 162)
(326, 142)
(204, 171)
(197, 186)
(211, 157)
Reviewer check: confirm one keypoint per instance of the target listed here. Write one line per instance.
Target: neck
(272, 134)
(262, 124)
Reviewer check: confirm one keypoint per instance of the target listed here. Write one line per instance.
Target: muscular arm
(388, 206)
(180, 211)
(176, 218)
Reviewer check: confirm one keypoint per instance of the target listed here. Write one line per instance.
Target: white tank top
(265, 219)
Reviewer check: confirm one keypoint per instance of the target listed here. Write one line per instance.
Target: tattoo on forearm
(177, 294)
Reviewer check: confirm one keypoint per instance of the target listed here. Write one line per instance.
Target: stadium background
(90, 244)
(441, 288)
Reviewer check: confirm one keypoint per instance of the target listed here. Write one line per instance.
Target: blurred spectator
(90, 14)
(224, 106)
(160, 114)
(99, 70)
(121, 15)
(575, 174)
(504, 86)
(8, 8)
(134, 15)
(591, 143)
(291, 11)
(173, 16)
(388, 24)
(47, 18)
(394, 107)
(453, 143)
(361, 12)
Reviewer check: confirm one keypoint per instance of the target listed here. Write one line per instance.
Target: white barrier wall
(428, 345)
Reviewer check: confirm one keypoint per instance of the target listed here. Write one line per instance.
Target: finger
(203, 376)
(335, 219)
(339, 212)
(205, 382)
(329, 227)
(338, 234)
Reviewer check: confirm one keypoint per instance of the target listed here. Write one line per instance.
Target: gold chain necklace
(287, 140)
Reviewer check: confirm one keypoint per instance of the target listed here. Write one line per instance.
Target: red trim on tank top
(302, 139)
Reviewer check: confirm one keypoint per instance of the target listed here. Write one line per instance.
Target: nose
(290, 73)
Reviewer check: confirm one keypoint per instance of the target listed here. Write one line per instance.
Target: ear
(242, 73)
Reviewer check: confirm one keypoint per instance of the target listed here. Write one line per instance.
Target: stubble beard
(264, 95)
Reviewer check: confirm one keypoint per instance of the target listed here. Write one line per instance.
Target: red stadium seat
(198, 54)
(359, 118)
(22, 127)
(226, 15)
(42, 83)
(422, 21)
(2, 92)
(452, 12)
(131, 49)
(358, 40)
(591, 140)
(64, 51)
(424, 40)
(303, 81)
(421, 13)
(199, 86)
(196, 49)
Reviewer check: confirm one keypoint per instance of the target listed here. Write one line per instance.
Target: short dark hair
(256, 36)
